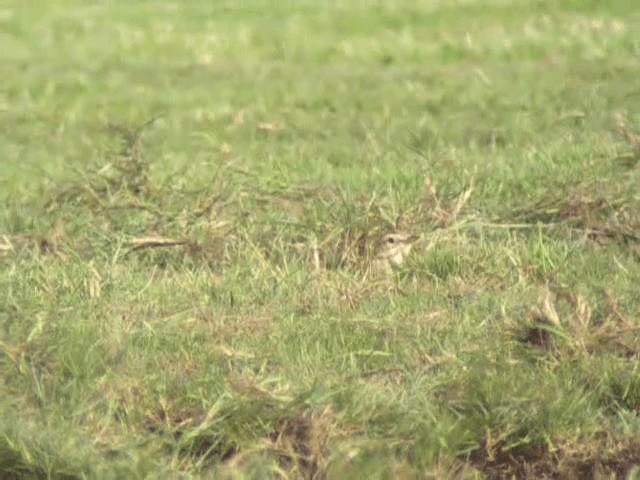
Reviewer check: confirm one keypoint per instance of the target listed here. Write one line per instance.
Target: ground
(190, 192)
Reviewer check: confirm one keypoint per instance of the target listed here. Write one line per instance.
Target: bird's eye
(390, 240)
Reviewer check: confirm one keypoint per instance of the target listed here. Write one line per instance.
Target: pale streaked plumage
(391, 250)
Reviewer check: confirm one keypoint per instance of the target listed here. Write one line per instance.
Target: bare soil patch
(603, 457)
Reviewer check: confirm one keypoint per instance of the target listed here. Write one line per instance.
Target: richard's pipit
(391, 250)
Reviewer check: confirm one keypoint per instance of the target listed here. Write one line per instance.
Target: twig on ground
(155, 242)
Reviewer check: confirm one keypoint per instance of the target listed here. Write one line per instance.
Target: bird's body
(391, 250)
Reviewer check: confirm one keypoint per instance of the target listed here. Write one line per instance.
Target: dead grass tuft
(495, 462)
(191, 429)
(602, 457)
(444, 211)
(301, 443)
(564, 321)
(131, 164)
(47, 244)
(610, 216)
(122, 182)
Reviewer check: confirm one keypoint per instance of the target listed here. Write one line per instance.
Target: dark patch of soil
(300, 444)
(599, 459)
(178, 423)
(539, 337)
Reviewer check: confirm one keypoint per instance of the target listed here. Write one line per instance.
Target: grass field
(190, 191)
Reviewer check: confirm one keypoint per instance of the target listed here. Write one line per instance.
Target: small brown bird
(391, 250)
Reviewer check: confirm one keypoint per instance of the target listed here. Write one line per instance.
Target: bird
(391, 250)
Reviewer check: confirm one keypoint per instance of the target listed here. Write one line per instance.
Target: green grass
(267, 140)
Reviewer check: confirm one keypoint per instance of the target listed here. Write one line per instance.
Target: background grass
(260, 137)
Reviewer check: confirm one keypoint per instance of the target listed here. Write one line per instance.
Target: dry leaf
(270, 127)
